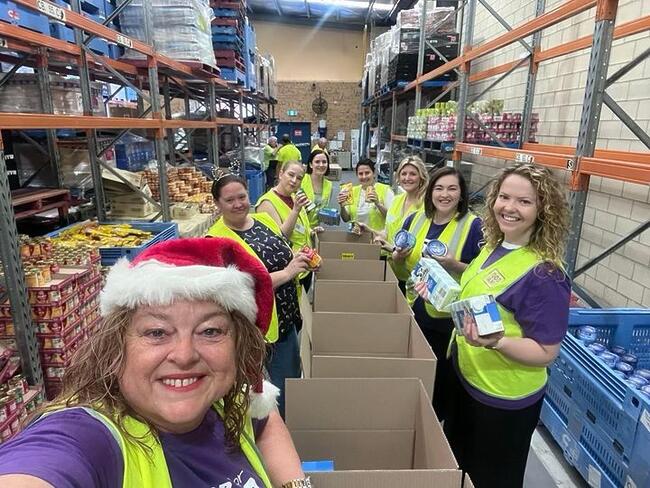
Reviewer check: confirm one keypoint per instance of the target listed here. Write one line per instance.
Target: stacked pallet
(229, 39)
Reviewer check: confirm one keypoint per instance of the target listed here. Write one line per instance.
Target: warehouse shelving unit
(157, 79)
(582, 161)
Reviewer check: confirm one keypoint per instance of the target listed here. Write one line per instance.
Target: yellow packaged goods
(122, 235)
(347, 187)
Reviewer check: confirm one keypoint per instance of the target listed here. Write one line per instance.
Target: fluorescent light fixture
(351, 4)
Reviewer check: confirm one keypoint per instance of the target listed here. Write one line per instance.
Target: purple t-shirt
(71, 449)
(540, 304)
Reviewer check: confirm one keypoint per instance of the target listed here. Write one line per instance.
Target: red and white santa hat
(211, 269)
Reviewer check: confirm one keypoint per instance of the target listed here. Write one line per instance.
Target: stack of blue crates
(94, 10)
(249, 57)
(601, 422)
(229, 39)
(25, 17)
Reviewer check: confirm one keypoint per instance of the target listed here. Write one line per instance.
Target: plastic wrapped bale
(181, 29)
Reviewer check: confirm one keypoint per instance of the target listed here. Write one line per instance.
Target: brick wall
(614, 208)
(343, 111)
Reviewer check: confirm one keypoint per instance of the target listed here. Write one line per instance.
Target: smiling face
(515, 209)
(319, 165)
(233, 202)
(289, 178)
(179, 359)
(365, 175)
(409, 179)
(446, 195)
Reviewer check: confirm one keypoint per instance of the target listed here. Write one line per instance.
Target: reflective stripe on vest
(326, 192)
(488, 370)
(376, 220)
(220, 229)
(454, 235)
(149, 469)
(395, 216)
(301, 235)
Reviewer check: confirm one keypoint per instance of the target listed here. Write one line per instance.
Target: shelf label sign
(51, 10)
(3, 42)
(524, 158)
(476, 151)
(124, 41)
(571, 164)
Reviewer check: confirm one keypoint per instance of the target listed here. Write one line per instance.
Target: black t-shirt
(276, 254)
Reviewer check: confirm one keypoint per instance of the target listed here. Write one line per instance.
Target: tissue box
(484, 311)
(443, 289)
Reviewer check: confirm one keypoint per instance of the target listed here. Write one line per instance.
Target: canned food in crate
(587, 334)
(643, 373)
(435, 248)
(618, 350)
(645, 390)
(404, 240)
(609, 358)
(630, 359)
(620, 374)
(596, 348)
(625, 368)
(637, 382)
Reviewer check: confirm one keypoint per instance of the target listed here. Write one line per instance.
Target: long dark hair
(313, 154)
(222, 181)
(366, 162)
(463, 203)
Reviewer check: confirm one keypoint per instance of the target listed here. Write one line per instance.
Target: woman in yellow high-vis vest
(168, 390)
(500, 379)
(261, 236)
(369, 201)
(446, 217)
(315, 184)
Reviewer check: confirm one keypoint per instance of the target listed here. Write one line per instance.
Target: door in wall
(300, 133)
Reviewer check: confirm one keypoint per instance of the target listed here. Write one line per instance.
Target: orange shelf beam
(550, 159)
(563, 12)
(398, 138)
(47, 121)
(625, 170)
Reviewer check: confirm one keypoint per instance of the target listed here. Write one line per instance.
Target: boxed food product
(442, 288)
(483, 309)
(329, 216)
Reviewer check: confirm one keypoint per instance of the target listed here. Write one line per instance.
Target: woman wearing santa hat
(262, 237)
(168, 391)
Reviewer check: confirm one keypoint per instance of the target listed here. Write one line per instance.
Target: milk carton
(483, 309)
(442, 288)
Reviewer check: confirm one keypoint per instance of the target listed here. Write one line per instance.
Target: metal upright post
(393, 119)
(171, 145)
(589, 122)
(213, 139)
(242, 136)
(532, 80)
(421, 55)
(188, 134)
(86, 101)
(48, 108)
(15, 283)
(154, 95)
(464, 79)
(379, 122)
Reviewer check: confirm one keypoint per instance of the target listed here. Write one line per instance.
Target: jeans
(284, 362)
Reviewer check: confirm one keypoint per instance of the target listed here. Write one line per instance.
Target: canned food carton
(404, 240)
(442, 288)
(329, 216)
(483, 309)
(314, 258)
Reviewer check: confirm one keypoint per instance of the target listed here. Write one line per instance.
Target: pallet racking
(153, 78)
(584, 160)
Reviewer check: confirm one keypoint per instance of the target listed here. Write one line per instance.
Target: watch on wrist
(300, 483)
(494, 346)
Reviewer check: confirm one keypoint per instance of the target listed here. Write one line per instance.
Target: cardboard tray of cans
(48, 311)
(14, 408)
(57, 290)
(57, 326)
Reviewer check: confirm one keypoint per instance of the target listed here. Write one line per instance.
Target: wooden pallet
(29, 201)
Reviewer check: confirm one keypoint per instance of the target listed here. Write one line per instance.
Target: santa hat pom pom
(264, 402)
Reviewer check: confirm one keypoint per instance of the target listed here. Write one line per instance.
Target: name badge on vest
(299, 228)
(493, 278)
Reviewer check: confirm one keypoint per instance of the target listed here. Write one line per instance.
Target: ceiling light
(352, 4)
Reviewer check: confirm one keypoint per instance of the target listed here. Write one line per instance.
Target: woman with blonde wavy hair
(497, 391)
(168, 391)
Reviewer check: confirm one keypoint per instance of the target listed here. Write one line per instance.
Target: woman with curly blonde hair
(497, 391)
(169, 391)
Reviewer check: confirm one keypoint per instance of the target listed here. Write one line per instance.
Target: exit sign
(292, 113)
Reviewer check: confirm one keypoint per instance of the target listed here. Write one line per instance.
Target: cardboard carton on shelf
(366, 345)
(379, 432)
(355, 270)
(358, 297)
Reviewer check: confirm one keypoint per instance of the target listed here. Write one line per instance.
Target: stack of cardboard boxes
(364, 404)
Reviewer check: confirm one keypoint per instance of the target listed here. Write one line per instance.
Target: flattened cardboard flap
(343, 236)
(442, 478)
(360, 297)
(349, 251)
(355, 270)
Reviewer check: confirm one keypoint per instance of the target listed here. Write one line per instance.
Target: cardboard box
(349, 251)
(377, 425)
(343, 236)
(348, 345)
(355, 270)
(359, 297)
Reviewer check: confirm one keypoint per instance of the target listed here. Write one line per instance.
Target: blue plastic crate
(233, 75)
(24, 17)
(226, 12)
(64, 33)
(255, 180)
(163, 231)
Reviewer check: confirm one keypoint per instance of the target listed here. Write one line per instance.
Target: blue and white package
(483, 309)
(329, 216)
(442, 288)
(404, 240)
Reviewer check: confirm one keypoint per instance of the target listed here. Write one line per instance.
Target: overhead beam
(314, 21)
(277, 7)
(307, 9)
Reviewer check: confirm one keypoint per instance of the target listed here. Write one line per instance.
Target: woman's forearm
(279, 278)
(289, 224)
(527, 351)
(345, 215)
(280, 457)
(382, 210)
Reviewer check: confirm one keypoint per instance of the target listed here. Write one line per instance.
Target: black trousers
(438, 334)
(270, 173)
(491, 444)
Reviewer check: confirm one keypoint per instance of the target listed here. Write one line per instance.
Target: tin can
(636, 381)
(404, 240)
(630, 359)
(609, 358)
(596, 348)
(587, 334)
(624, 368)
(314, 258)
(311, 206)
(620, 350)
(643, 373)
(646, 390)
(4, 412)
(354, 228)
(620, 374)
(435, 249)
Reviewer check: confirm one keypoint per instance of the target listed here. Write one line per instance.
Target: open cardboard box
(357, 270)
(380, 432)
(357, 296)
(342, 236)
(333, 244)
(367, 345)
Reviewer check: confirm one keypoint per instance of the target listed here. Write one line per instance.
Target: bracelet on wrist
(299, 483)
